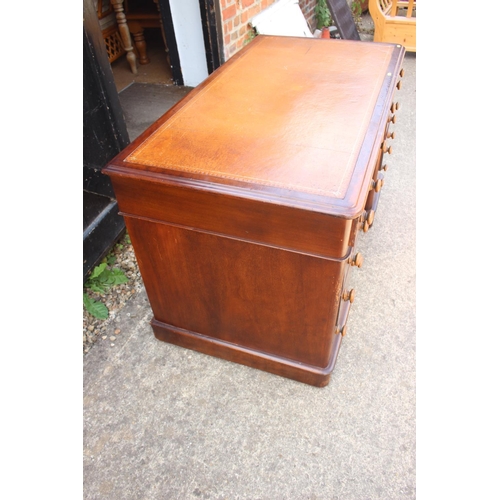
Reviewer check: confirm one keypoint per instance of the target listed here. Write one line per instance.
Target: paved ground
(162, 422)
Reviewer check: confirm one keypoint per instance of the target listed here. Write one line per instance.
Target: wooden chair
(133, 16)
(343, 20)
(109, 29)
(142, 14)
(395, 22)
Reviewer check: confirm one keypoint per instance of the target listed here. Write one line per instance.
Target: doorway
(170, 57)
(118, 105)
(147, 95)
(179, 54)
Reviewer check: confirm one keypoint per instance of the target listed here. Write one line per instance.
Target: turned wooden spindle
(121, 19)
(140, 44)
(163, 32)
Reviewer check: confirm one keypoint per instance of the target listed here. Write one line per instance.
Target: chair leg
(125, 34)
(140, 43)
(163, 33)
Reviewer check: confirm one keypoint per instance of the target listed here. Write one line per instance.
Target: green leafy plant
(250, 36)
(95, 308)
(357, 10)
(323, 15)
(100, 281)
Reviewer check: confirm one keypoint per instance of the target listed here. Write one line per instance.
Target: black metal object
(168, 28)
(211, 31)
(343, 20)
(104, 129)
(104, 136)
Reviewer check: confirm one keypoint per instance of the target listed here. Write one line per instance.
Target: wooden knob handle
(367, 220)
(377, 185)
(386, 149)
(392, 135)
(398, 85)
(383, 167)
(392, 119)
(342, 330)
(357, 260)
(370, 216)
(349, 295)
(402, 73)
(394, 107)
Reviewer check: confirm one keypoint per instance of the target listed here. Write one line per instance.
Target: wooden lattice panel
(114, 45)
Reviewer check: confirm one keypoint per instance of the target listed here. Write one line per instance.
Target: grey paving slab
(163, 422)
(144, 103)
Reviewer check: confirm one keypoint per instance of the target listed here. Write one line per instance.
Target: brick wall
(237, 13)
(307, 7)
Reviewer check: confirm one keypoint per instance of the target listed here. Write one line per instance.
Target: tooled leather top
(288, 112)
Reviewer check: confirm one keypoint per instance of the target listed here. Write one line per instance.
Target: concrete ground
(163, 422)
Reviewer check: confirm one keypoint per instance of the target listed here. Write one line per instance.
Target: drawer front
(386, 148)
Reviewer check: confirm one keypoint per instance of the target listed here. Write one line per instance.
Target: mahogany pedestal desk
(244, 201)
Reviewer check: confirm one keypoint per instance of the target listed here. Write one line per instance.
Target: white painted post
(186, 19)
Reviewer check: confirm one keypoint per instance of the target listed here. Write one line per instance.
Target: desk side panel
(269, 300)
(251, 220)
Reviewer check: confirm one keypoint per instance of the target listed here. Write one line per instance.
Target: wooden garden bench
(395, 22)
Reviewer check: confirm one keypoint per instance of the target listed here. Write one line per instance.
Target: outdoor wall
(237, 13)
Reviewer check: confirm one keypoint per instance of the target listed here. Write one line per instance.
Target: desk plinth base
(311, 375)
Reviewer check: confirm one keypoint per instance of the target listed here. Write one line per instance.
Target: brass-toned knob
(349, 295)
(398, 85)
(384, 167)
(386, 149)
(392, 119)
(357, 260)
(402, 73)
(377, 185)
(392, 135)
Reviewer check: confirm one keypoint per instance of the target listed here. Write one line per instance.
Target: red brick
(247, 3)
(229, 12)
(253, 11)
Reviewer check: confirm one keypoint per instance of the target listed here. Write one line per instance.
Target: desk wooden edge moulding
(250, 271)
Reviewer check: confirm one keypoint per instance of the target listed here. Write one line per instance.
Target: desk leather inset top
(244, 200)
(285, 104)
